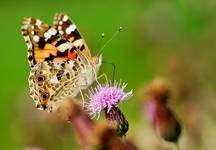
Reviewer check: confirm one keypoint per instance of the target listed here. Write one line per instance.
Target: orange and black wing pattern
(45, 43)
(69, 31)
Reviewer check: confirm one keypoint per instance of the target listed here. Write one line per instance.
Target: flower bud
(158, 112)
(116, 119)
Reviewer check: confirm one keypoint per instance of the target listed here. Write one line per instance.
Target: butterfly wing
(69, 31)
(50, 82)
(59, 59)
(44, 43)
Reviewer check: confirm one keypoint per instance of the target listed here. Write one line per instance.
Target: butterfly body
(61, 63)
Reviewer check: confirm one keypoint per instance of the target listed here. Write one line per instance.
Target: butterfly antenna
(100, 40)
(113, 36)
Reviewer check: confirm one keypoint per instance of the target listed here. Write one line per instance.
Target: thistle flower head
(104, 97)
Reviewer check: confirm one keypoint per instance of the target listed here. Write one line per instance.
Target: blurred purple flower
(105, 97)
(158, 110)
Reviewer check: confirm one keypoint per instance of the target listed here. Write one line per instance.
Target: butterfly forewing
(45, 43)
(68, 29)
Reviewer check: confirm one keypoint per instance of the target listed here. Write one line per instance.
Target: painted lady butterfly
(61, 63)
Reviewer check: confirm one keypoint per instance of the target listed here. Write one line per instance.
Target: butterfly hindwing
(68, 29)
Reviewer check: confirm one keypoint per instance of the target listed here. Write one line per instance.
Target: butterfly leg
(83, 100)
(101, 76)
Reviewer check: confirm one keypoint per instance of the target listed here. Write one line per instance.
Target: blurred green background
(173, 39)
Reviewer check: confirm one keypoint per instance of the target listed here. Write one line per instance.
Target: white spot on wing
(59, 27)
(70, 64)
(64, 46)
(49, 33)
(29, 46)
(61, 32)
(36, 38)
(71, 28)
(26, 38)
(65, 18)
(38, 22)
(58, 65)
(60, 22)
(46, 35)
(78, 42)
(54, 80)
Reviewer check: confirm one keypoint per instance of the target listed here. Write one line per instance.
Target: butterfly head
(88, 74)
(96, 62)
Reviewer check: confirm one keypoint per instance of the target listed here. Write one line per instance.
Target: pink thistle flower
(106, 98)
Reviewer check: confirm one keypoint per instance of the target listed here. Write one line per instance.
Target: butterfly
(61, 62)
